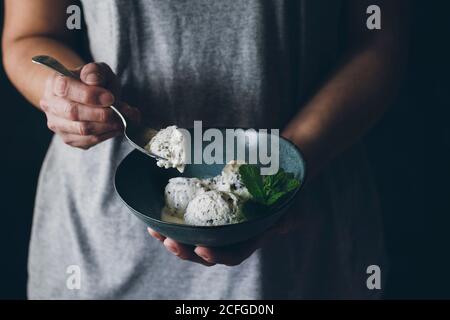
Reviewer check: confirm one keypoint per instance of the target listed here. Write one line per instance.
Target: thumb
(99, 74)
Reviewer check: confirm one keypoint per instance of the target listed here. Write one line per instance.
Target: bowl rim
(288, 201)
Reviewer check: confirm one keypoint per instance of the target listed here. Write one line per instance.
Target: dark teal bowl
(140, 184)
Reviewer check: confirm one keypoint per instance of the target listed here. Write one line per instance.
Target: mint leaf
(274, 197)
(275, 180)
(266, 190)
(253, 182)
(291, 185)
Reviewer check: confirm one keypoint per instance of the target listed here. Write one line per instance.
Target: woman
(311, 68)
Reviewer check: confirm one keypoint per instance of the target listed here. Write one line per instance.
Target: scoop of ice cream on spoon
(170, 145)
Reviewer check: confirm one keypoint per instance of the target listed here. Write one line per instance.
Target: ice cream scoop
(230, 180)
(213, 208)
(170, 145)
(179, 192)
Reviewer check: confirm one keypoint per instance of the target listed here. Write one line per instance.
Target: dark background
(409, 151)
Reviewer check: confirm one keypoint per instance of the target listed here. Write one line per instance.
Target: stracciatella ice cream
(230, 181)
(213, 208)
(206, 202)
(169, 143)
(179, 192)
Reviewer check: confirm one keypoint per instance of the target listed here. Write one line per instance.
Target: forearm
(28, 78)
(347, 105)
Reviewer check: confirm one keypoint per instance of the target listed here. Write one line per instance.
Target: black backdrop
(409, 151)
(25, 142)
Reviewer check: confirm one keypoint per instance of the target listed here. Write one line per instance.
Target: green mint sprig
(267, 190)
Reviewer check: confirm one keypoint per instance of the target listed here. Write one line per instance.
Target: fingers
(74, 111)
(99, 74)
(182, 251)
(156, 235)
(78, 109)
(87, 142)
(93, 74)
(76, 91)
(231, 255)
(81, 128)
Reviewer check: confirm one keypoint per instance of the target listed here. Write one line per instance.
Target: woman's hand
(79, 111)
(231, 255)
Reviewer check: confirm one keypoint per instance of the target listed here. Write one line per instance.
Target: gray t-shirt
(243, 63)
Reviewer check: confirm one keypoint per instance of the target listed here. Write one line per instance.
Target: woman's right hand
(78, 110)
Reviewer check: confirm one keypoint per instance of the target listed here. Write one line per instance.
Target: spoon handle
(120, 115)
(55, 65)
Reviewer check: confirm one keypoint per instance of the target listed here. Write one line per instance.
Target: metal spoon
(137, 136)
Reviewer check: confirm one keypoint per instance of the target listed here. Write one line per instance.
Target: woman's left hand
(230, 255)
